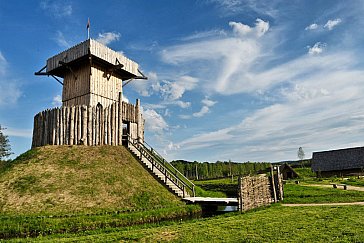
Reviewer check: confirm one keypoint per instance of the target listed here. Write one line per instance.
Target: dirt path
(322, 204)
(353, 188)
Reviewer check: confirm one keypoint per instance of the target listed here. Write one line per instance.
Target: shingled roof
(336, 160)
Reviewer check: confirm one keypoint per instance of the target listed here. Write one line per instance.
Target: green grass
(70, 179)
(32, 226)
(57, 189)
(308, 194)
(217, 181)
(221, 187)
(305, 172)
(273, 224)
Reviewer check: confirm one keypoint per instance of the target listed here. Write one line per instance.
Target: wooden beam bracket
(115, 67)
(68, 67)
(43, 73)
(142, 76)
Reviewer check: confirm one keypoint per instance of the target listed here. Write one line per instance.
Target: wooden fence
(88, 125)
(257, 191)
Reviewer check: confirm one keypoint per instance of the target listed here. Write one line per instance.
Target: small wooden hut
(287, 172)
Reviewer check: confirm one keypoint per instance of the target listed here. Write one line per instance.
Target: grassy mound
(55, 180)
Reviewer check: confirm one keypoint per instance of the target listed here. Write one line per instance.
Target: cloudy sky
(228, 79)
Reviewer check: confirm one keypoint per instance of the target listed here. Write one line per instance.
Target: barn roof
(341, 159)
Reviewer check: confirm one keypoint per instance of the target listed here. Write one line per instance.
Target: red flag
(88, 23)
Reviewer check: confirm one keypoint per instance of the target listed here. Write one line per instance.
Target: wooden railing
(169, 171)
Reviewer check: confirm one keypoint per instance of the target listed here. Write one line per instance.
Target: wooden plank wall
(86, 125)
(101, 51)
(104, 89)
(97, 49)
(68, 55)
(76, 90)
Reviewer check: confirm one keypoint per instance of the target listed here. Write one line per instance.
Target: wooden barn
(339, 162)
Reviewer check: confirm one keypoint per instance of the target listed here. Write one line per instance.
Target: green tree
(5, 149)
(301, 155)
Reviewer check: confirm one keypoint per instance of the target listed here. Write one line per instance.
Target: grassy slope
(66, 179)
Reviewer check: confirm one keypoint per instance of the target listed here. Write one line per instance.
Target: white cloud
(204, 110)
(108, 37)
(61, 40)
(3, 64)
(125, 99)
(206, 101)
(57, 101)
(15, 132)
(154, 122)
(145, 87)
(172, 91)
(316, 49)
(332, 23)
(56, 9)
(235, 7)
(242, 30)
(9, 88)
(205, 34)
(320, 107)
(227, 62)
(313, 26)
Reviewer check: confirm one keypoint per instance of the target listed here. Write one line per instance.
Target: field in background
(130, 209)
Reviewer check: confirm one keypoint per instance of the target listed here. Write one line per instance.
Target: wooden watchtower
(93, 111)
(92, 73)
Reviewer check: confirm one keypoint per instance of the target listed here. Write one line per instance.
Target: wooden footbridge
(215, 201)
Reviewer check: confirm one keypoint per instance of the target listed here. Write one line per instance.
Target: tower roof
(101, 54)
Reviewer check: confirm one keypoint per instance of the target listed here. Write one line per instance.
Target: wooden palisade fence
(88, 125)
(261, 190)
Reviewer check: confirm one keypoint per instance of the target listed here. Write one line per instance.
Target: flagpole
(88, 28)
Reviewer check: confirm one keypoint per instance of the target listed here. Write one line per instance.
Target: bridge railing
(157, 161)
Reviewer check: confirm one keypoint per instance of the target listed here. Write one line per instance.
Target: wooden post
(109, 125)
(137, 119)
(76, 125)
(55, 122)
(112, 119)
(97, 121)
(102, 127)
(89, 125)
(72, 125)
(84, 125)
(45, 128)
(273, 184)
(79, 125)
(280, 185)
(116, 124)
(105, 126)
(93, 125)
(240, 193)
(120, 119)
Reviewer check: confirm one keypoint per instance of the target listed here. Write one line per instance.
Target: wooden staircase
(160, 168)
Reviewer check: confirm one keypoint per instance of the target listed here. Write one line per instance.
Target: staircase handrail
(175, 180)
(165, 162)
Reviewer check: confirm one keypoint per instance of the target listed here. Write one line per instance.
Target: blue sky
(228, 79)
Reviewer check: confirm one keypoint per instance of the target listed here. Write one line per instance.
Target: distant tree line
(197, 170)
